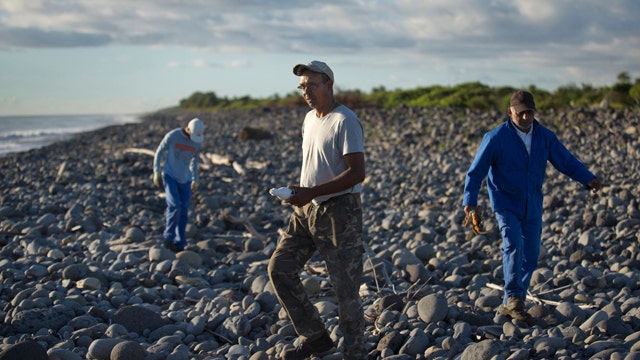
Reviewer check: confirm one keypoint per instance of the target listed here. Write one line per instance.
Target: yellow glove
(157, 179)
(194, 186)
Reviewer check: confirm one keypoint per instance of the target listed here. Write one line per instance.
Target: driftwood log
(238, 220)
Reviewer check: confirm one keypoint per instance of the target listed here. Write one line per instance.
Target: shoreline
(29, 132)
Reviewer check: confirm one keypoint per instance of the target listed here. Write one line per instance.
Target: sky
(135, 57)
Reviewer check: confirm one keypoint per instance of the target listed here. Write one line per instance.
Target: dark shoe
(171, 246)
(514, 308)
(305, 349)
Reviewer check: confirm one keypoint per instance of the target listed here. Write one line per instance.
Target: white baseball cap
(196, 128)
(315, 66)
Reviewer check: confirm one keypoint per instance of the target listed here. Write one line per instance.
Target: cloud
(438, 26)
(460, 36)
(202, 63)
(35, 38)
(199, 63)
(238, 64)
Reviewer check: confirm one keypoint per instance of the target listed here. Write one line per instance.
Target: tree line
(625, 93)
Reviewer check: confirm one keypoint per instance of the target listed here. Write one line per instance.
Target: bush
(474, 95)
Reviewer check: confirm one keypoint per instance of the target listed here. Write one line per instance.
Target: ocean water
(22, 133)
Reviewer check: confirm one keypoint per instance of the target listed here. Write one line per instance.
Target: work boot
(172, 246)
(319, 347)
(514, 308)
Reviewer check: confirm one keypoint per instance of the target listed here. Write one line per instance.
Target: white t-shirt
(526, 139)
(325, 141)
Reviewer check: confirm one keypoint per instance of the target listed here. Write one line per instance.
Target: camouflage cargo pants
(334, 228)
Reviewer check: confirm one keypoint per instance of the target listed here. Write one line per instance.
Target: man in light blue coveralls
(179, 178)
(515, 155)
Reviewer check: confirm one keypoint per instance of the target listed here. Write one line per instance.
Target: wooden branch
(239, 168)
(139, 151)
(538, 300)
(259, 165)
(61, 170)
(236, 220)
(217, 159)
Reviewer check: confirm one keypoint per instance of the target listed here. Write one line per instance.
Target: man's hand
(157, 179)
(194, 186)
(301, 197)
(594, 185)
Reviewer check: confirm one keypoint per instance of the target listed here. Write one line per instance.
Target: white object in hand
(283, 193)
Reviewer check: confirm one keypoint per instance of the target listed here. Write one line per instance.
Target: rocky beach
(84, 274)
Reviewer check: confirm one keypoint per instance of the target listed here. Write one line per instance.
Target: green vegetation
(474, 95)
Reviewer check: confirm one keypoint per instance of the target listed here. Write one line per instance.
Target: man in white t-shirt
(327, 218)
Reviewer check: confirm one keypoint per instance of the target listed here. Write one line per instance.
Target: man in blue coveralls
(514, 155)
